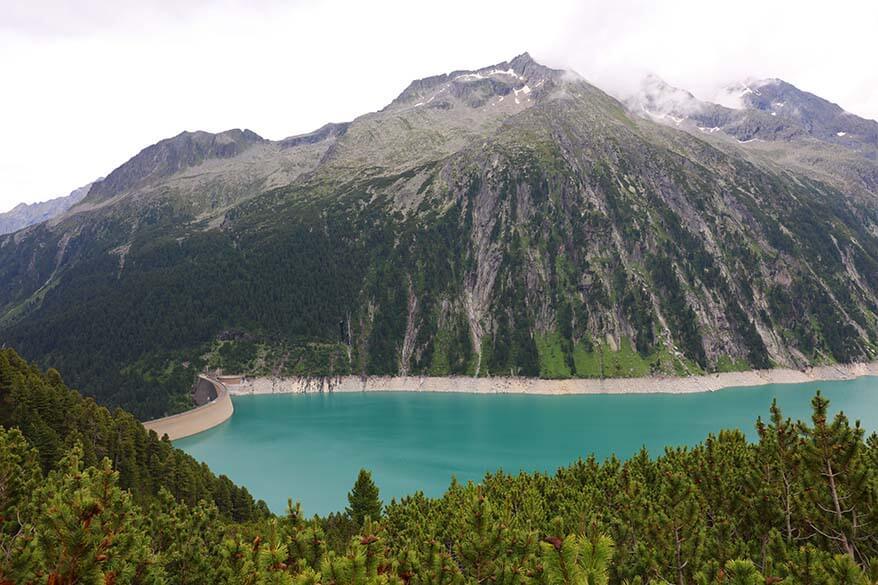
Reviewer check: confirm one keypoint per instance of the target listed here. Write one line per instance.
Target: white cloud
(84, 89)
(698, 45)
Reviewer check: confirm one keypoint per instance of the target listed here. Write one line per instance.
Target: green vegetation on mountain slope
(798, 506)
(54, 418)
(561, 238)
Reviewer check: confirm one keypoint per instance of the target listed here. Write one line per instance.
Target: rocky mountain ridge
(27, 214)
(796, 113)
(777, 121)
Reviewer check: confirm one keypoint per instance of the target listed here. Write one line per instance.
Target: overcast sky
(86, 84)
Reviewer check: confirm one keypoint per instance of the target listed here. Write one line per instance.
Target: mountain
(778, 122)
(767, 109)
(25, 214)
(509, 220)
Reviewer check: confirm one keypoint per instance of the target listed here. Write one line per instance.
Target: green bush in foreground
(798, 506)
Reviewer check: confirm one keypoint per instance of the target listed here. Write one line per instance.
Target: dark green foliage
(757, 354)
(363, 501)
(236, 357)
(806, 309)
(54, 418)
(797, 506)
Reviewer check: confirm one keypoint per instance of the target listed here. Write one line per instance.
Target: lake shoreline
(314, 445)
(538, 386)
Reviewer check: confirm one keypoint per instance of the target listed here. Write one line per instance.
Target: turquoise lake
(310, 447)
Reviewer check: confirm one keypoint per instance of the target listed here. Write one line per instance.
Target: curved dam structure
(199, 419)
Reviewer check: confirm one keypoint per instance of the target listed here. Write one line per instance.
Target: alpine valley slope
(512, 220)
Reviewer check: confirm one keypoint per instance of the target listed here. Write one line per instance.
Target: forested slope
(54, 418)
(796, 507)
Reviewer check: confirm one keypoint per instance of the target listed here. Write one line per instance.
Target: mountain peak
(171, 155)
(475, 87)
(758, 110)
(521, 62)
(657, 99)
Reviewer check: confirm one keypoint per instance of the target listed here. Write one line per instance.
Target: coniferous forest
(87, 496)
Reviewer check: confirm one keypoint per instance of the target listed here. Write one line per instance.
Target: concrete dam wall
(218, 409)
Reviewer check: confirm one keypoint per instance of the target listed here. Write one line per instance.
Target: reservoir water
(310, 447)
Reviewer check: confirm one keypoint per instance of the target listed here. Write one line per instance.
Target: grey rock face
(818, 117)
(775, 120)
(328, 131)
(170, 156)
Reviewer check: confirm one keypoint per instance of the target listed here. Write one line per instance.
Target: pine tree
(677, 520)
(596, 554)
(271, 560)
(88, 529)
(840, 483)
(238, 562)
(779, 457)
(576, 560)
(363, 499)
(19, 476)
(428, 563)
(186, 539)
(845, 571)
(479, 549)
(740, 572)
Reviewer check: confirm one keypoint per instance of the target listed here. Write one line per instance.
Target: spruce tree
(363, 499)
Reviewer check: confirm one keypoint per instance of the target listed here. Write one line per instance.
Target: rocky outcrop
(170, 156)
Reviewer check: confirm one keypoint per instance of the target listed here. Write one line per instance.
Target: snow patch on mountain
(475, 76)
